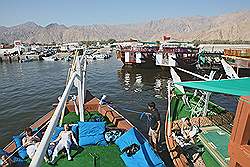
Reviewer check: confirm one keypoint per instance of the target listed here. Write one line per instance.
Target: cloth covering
(92, 133)
(238, 87)
(144, 157)
(22, 152)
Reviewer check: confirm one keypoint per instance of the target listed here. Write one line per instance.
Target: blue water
(28, 90)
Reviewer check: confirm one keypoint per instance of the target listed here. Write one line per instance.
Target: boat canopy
(238, 87)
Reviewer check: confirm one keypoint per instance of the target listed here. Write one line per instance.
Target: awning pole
(169, 108)
(191, 73)
(211, 76)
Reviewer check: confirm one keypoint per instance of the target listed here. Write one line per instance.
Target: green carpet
(209, 160)
(108, 155)
(220, 139)
(72, 118)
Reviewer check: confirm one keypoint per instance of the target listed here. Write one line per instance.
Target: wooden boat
(165, 55)
(217, 130)
(90, 154)
(91, 106)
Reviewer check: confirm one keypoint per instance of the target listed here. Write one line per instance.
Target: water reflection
(144, 80)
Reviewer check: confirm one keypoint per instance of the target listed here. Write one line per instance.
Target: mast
(77, 78)
(43, 146)
(169, 108)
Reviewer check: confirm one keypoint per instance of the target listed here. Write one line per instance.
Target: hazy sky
(85, 12)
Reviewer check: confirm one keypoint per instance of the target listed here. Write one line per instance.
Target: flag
(166, 37)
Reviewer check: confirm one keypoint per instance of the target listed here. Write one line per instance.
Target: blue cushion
(22, 152)
(132, 136)
(38, 134)
(2, 152)
(74, 129)
(145, 157)
(92, 133)
(16, 160)
(56, 133)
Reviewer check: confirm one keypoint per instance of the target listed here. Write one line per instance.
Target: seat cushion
(132, 136)
(92, 133)
(74, 129)
(22, 152)
(16, 160)
(145, 157)
(56, 133)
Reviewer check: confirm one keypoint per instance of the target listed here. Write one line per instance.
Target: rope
(142, 114)
(23, 145)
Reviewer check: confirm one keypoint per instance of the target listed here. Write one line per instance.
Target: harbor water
(28, 90)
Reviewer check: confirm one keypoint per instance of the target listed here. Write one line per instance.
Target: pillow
(132, 136)
(145, 157)
(22, 152)
(92, 133)
(56, 133)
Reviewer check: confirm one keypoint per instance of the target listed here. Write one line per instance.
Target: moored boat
(50, 58)
(111, 149)
(215, 124)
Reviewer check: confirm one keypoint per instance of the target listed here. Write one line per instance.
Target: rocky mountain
(233, 26)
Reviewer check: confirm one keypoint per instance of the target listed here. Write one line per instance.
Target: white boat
(50, 58)
(102, 56)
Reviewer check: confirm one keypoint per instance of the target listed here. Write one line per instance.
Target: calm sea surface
(28, 90)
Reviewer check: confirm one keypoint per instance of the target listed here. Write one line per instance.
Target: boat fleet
(198, 132)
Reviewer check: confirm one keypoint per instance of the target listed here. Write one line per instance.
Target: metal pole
(80, 88)
(169, 108)
(211, 76)
(62, 115)
(83, 85)
(40, 153)
(196, 75)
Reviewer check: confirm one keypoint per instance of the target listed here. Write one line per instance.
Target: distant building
(16, 48)
(68, 47)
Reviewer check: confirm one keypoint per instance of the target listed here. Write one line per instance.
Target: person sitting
(65, 140)
(185, 137)
(188, 130)
(6, 162)
(30, 142)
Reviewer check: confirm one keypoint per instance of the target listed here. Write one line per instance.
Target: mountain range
(232, 26)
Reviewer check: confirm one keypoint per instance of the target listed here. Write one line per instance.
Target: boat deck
(105, 155)
(216, 143)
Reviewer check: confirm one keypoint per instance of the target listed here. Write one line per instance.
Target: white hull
(50, 58)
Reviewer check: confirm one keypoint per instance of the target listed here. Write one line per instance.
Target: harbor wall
(18, 58)
(11, 58)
